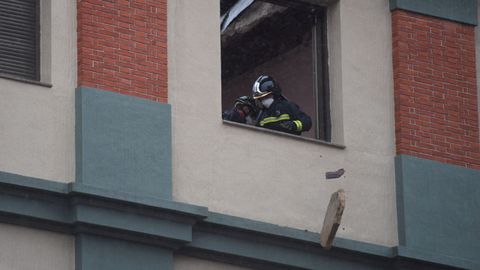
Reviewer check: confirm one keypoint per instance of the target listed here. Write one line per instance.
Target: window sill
(283, 134)
(19, 79)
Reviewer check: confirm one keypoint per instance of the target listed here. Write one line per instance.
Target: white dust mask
(267, 102)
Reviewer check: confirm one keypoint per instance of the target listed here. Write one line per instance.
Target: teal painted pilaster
(463, 11)
(123, 143)
(438, 206)
(95, 252)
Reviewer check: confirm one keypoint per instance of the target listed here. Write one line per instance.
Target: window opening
(285, 40)
(19, 38)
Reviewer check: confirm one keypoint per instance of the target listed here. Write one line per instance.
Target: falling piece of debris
(332, 218)
(335, 174)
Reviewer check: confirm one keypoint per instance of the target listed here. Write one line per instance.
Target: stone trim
(95, 213)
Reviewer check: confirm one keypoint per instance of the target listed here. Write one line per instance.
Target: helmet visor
(262, 95)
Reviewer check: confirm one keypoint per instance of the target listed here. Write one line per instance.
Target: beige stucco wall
(274, 178)
(37, 122)
(23, 248)
(189, 263)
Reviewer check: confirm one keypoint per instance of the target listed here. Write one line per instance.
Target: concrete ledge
(260, 252)
(283, 134)
(32, 182)
(23, 80)
(157, 225)
(198, 212)
(73, 208)
(462, 11)
(261, 227)
(259, 245)
(367, 248)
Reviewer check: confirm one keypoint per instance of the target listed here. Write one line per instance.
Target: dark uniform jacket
(285, 116)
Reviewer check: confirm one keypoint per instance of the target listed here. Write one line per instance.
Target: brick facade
(435, 89)
(122, 46)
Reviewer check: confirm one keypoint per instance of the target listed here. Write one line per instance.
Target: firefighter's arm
(282, 123)
(302, 121)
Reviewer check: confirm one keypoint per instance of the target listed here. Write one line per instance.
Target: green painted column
(123, 146)
(123, 143)
(438, 206)
(95, 252)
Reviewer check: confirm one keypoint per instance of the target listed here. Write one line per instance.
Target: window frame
(320, 70)
(36, 78)
(321, 74)
(37, 41)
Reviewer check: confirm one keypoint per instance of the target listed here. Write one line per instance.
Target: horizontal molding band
(262, 251)
(180, 209)
(261, 227)
(265, 249)
(424, 255)
(78, 209)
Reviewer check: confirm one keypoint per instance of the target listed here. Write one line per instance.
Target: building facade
(113, 153)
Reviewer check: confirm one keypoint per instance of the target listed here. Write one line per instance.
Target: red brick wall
(122, 46)
(436, 109)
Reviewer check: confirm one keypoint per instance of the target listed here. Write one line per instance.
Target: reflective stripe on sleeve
(299, 125)
(272, 119)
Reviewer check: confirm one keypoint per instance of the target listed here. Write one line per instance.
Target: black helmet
(264, 86)
(245, 100)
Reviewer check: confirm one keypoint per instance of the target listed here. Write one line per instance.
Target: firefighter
(277, 112)
(243, 111)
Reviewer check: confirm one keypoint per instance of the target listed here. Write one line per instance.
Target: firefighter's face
(258, 103)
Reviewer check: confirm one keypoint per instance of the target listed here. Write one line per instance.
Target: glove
(234, 115)
(288, 125)
(240, 113)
